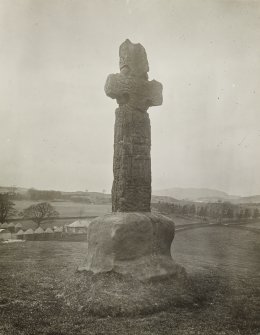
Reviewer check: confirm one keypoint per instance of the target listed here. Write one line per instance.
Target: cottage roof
(20, 232)
(39, 230)
(11, 224)
(29, 232)
(79, 224)
(18, 225)
(49, 231)
(4, 225)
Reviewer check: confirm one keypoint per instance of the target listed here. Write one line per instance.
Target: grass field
(223, 265)
(68, 208)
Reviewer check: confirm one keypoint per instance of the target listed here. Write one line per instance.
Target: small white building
(78, 227)
(5, 235)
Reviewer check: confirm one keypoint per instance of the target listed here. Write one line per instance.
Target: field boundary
(55, 218)
(197, 226)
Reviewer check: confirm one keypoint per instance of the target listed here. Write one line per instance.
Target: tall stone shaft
(131, 191)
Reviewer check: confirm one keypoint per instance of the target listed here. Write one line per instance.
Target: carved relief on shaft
(131, 189)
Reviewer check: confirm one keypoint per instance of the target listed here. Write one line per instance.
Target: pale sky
(57, 123)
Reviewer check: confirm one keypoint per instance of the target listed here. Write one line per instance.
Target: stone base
(135, 244)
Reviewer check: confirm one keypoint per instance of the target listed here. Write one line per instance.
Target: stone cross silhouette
(131, 191)
(131, 240)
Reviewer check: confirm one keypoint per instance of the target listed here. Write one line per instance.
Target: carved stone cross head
(131, 86)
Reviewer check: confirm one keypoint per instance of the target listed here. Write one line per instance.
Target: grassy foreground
(40, 292)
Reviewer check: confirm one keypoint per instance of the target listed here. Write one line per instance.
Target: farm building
(42, 235)
(18, 226)
(20, 234)
(78, 227)
(29, 232)
(4, 234)
(48, 231)
(39, 230)
(49, 234)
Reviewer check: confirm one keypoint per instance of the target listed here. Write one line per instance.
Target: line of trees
(45, 195)
(218, 210)
(36, 195)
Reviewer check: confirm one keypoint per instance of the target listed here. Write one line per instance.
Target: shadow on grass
(112, 294)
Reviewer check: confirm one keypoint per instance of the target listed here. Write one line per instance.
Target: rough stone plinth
(131, 191)
(136, 244)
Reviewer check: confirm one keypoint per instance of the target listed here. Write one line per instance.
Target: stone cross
(131, 191)
(131, 240)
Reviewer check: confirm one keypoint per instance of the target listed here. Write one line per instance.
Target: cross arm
(153, 93)
(136, 92)
(117, 87)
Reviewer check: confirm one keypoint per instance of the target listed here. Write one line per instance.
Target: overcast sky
(57, 123)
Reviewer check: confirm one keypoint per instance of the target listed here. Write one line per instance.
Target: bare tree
(40, 212)
(6, 207)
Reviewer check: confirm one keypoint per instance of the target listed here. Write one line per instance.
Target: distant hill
(196, 194)
(205, 195)
(191, 193)
(170, 195)
(11, 189)
(158, 198)
(76, 196)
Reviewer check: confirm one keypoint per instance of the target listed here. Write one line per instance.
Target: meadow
(68, 211)
(222, 263)
(69, 208)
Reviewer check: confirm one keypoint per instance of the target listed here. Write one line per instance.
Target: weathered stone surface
(132, 240)
(136, 244)
(131, 189)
